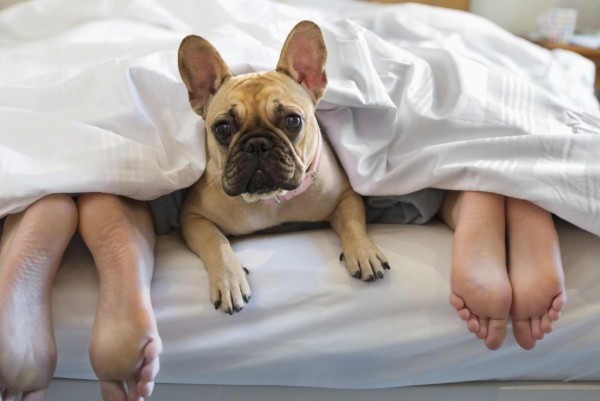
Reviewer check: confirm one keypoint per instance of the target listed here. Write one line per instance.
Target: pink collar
(311, 176)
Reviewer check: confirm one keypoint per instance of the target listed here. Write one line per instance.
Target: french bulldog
(267, 162)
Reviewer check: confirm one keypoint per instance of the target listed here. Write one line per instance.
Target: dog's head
(261, 129)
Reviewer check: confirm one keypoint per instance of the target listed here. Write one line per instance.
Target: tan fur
(209, 214)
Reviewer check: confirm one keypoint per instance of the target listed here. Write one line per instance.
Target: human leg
(535, 271)
(125, 343)
(480, 287)
(31, 248)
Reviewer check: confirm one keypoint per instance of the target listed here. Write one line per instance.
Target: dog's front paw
(229, 289)
(365, 261)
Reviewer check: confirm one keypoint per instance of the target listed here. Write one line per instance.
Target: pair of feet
(125, 345)
(506, 265)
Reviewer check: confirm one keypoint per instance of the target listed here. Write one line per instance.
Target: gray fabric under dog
(414, 208)
(166, 210)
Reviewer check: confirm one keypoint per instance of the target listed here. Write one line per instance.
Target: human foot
(31, 249)
(480, 288)
(125, 344)
(125, 348)
(535, 271)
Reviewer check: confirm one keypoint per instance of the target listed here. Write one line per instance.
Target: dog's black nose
(258, 146)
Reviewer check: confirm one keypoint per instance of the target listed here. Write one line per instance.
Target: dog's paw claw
(246, 270)
(365, 261)
(230, 291)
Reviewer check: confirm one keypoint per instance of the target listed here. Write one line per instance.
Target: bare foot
(480, 288)
(125, 345)
(31, 248)
(535, 271)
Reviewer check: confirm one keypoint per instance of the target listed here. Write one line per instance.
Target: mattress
(310, 324)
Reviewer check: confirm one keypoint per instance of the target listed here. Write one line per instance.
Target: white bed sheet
(91, 100)
(310, 324)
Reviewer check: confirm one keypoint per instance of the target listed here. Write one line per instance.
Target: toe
(38, 395)
(464, 314)
(378, 269)
(481, 333)
(379, 265)
(496, 332)
(473, 324)
(145, 388)
(536, 328)
(547, 324)
(113, 390)
(557, 306)
(522, 333)
(457, 302)
(353, 267)
(215, 297)
(366, 268)
(151, 367)
(133, 394)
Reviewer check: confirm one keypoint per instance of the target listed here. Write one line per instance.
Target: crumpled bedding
(91, 100)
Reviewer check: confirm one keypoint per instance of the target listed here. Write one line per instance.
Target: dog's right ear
(202, 69)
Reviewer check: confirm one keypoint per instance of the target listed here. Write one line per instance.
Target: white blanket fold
(91, 100)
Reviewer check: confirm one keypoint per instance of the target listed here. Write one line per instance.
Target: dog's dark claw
(230, 311)
(246, 270)
(341, 256)
(238, 308)
(246, 298)
(217, 304)
(380, 274)
(370, 278)
(358, 274)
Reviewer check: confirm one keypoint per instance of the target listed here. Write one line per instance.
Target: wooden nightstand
(458, 4)
(592, 54)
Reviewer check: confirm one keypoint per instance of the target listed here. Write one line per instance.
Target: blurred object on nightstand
(555, 29)
(557, 24)
(589, 38)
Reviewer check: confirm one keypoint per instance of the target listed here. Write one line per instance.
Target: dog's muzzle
(260, 164)
(258, 149)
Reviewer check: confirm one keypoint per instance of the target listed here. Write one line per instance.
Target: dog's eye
(223, 132)
(293, 122)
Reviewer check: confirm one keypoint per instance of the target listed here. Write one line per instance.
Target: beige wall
(518, 16)
(6, 3)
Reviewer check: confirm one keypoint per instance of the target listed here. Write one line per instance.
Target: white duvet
(91, 100)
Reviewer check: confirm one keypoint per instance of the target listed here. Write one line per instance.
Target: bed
(419, 97)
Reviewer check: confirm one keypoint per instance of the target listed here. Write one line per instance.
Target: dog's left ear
(303, 57)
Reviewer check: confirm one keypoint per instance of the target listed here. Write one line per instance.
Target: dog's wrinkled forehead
(257, 98)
